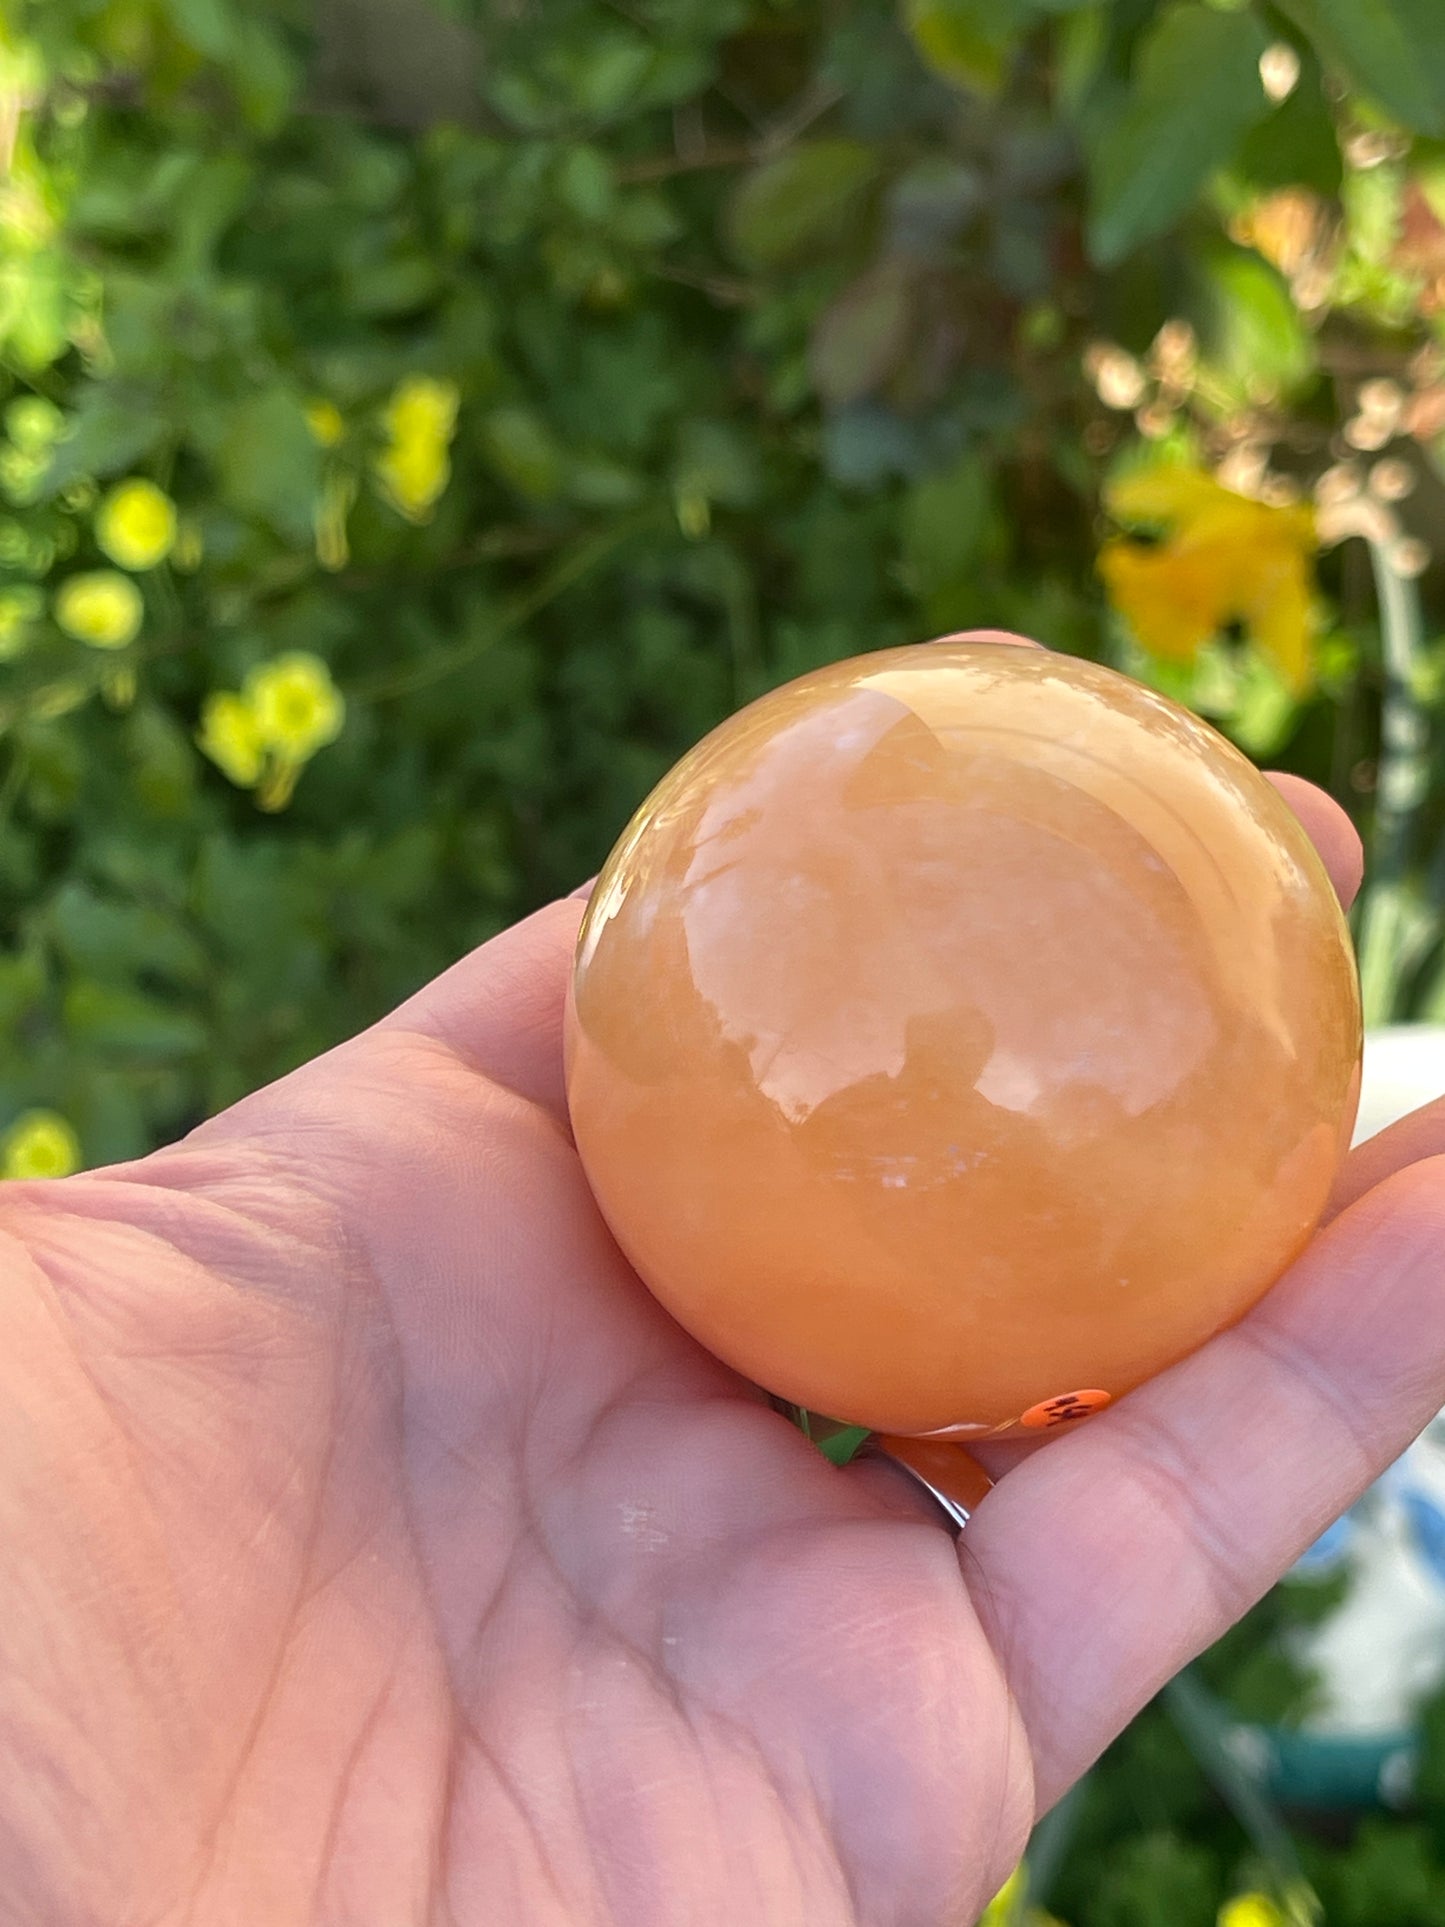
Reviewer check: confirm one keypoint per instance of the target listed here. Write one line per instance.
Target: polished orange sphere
(960, 1034)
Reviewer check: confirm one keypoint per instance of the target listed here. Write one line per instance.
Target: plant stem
(578, 562)
(1387, 938)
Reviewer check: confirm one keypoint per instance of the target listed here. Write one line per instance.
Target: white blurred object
(1383, 1651)
(1404, 1068)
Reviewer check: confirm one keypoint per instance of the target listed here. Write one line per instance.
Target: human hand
(377, 1550)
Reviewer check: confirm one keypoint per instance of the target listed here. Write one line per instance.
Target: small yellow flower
(136, 525)
(1223, 558)
(297, 707)
(422, 409)
(1251, 1910)
(19, 608)
(102, 608)
(420, 420)
(415, 475)
(33, 423)
(231, 736)
(326, 422)
(21, 470)
(337, 498)
(39, 1144)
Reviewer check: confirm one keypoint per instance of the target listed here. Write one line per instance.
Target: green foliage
(538, 387)
(1392, 50)
(1196, 90)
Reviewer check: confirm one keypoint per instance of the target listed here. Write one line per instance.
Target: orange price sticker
(1063, 1410)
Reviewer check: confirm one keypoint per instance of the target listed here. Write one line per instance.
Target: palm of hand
(381, 1552)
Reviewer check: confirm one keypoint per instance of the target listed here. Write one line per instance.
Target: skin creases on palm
(379, 1551)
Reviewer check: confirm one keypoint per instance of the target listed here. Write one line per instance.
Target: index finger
(1111, 1557)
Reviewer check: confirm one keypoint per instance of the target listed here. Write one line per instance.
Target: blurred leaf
(108, 939)
(968, 41)
(1265, 710)
(520, 447)
(943, 526)
(396, 286)
(1196, 88)
(862, 337)
(932, 200)
(267, 462)
(22, 985)
(1255, 338)
(1295, 145)
(866, 445)
(266, 75)
(105, 1017)
(205, 25)
(800, 201)
(111, 430)
(1082, 43)
(1393, 49)
(717, 461)
(1156, 1879)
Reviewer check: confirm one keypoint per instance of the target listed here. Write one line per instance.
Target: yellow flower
(297, 707)
(422, 409)
(415, 475)
(420, 420)
(136, 525)
(231, 736)
(39, 1144)
(326, 422)
(338, 495)
(1223, 558)
(102, 608)
(33, 423)
(1251, 1910)
(19, 608)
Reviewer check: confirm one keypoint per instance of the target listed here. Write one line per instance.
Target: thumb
(500, 1009)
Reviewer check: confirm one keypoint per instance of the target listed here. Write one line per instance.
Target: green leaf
(112, 429)
(267, 462)
(205, 25)
(1255, 340)
(945, 519)
(842, 1446)
(265, 75)
(105, 1017)
(520, 448)
(1393, 50)
(801, 201)
(968, 41)
(861, 338)
(396, 286)
(717, 461)
(106, 939)
(1196, 89)
(1296, 145)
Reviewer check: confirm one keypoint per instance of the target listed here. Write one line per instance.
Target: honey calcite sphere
(960, 1034)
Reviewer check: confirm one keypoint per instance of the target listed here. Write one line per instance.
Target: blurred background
(424, 418)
